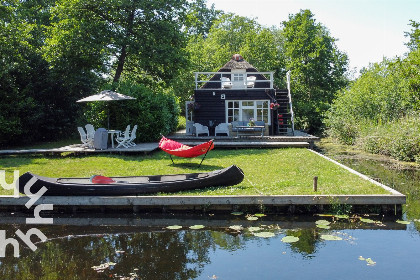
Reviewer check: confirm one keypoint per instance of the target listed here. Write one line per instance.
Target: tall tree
(318, 68)
(200, 18)
(110, 36)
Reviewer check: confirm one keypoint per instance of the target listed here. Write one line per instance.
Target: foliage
(379, 111)
(200, 18)
(105, 35)
(318, 68)
(37, 102)
(155, 111)
(53, 53)
(414, 36)
(227, 35)
(399, 139)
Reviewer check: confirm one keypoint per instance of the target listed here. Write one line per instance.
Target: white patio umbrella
(106, 95)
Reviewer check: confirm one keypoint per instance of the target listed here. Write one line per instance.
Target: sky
(367, 30)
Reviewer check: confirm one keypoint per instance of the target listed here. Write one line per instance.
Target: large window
(243, 110)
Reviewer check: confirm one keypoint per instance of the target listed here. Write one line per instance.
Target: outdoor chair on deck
(250, 81)
(222, 128)
(201, 129)
(180, 150)
(130, 141)
(84, 138)
(124, 138)
(226, 83)
(90, 132)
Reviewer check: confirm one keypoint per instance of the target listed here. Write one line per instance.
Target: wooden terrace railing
(205, 77)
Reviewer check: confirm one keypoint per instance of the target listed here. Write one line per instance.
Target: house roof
(237, 62)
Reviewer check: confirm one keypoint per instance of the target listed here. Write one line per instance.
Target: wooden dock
(279, 204)
(300, 140)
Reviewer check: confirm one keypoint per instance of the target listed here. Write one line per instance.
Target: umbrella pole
(108, 115)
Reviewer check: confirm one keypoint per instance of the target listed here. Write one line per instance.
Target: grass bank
(267, 171)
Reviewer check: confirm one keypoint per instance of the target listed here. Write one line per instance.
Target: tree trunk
(123, 55)
(120, 66)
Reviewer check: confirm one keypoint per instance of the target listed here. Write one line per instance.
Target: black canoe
(133, 185)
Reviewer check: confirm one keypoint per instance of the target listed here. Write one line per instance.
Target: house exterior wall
(212, 105)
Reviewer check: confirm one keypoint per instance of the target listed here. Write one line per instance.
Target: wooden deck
(300, 140)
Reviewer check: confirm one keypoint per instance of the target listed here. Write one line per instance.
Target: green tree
(414, 36)
(142, 37)
(200, 18)
(35, 106)
(318, 68)
(228, 35)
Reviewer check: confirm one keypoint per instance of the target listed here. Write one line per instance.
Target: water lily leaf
(265, 234)
(252, 218)
(254, 229)
(260, 215)
(174, 227)
(370, 262)
(369, 221)
(290, 239)
(236, 227)
(403, 222)
(342, 216)
(237, 213)
(325, 215)
(323, 226)
(331, 237)
(323, 222)
(197, 227)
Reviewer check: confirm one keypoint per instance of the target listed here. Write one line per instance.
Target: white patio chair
(83, 137)
(200, 129)
(124, 138)
(250, 81)
(90, 132)
(226, 83)
(130, 142)
(222, 128)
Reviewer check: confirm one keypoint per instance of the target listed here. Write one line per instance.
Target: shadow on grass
(192, 165)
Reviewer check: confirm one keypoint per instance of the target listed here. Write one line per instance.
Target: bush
(154, 111)
(399, 139)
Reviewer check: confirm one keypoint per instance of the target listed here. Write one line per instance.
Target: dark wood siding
(212, 106)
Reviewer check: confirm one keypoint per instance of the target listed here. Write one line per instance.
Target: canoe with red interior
(132, 185)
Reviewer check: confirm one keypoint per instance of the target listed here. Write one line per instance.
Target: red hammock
(180, 150)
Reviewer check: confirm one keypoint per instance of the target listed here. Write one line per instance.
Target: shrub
(155, 111)
(399, 139)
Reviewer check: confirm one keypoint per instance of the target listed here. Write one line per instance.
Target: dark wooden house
(239, 93)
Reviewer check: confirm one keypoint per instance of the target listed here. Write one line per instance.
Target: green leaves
(317, 67)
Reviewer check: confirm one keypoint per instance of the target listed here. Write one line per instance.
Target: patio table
(111, 133)
(247, 129)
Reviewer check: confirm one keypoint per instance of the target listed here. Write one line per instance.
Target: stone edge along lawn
(287, 171)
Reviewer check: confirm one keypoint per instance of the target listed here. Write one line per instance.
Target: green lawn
(267, 171)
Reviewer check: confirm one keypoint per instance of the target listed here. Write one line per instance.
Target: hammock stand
(180, 150)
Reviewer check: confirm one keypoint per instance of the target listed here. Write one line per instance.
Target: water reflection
(148, 250)
(401, 178)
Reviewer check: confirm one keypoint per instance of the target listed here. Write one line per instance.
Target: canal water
(231, 246)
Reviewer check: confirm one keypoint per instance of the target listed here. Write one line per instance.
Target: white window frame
(242, 106)
(238, 78)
